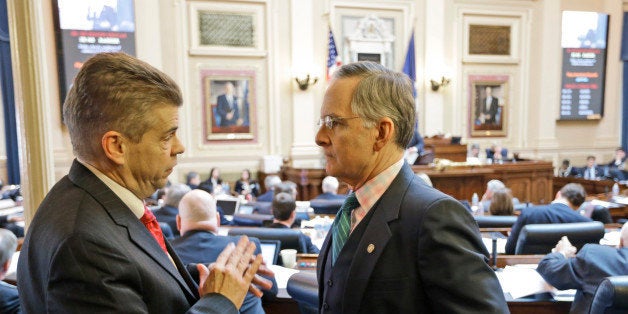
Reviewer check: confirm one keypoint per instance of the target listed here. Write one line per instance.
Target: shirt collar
(128, 198)
(373, 189)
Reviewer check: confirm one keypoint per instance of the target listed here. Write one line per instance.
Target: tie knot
(351, 203)
(148, 216)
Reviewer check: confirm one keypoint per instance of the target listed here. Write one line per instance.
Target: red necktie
(152, 225)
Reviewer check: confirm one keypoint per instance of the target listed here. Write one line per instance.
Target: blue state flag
(409, 66)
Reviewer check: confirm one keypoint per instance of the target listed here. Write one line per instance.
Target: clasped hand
(235, 272)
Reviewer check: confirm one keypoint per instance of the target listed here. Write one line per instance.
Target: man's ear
(113, 144)
(385, 129)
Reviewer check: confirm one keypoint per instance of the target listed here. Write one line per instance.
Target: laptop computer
(270, 251)
(228, 206)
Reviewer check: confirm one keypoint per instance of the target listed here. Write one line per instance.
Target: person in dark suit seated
(616, 169)
(211, 184)
(193, 180)
(168, 212)
(284, 214)
(564, 209)
(198, 224)
(269, 183)
(487, 197)
(246, 186)
(94, 246)
(591, 171)
(9, 298)
(397, 245)
(330, 190)
(564, 269)
(497, 154)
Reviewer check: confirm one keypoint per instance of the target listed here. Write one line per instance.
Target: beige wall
(294, 36)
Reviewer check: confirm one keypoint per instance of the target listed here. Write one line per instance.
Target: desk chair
(290, 238)
(542, 238)
(303, 288)
(611, 296)
(495, 221)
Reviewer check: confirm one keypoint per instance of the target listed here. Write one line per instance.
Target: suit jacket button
(325, 306)
(330, 283)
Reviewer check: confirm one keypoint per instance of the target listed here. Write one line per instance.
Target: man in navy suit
(270, 182)
(591, 171)
(227, 107)
(168, 212)
(564, 269)
(198, 223)
(93, 246)
(284, 215)
(9, 298)
(406, 247)
(563, 209)
(330, 190)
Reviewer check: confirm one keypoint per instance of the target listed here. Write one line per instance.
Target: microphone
(494, 252)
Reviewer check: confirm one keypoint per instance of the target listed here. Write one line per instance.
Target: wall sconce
(305, 81)
(436, 84)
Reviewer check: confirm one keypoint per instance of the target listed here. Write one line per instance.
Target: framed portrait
(488, 105)
(229, 103)
(491, 39)
(227, 28)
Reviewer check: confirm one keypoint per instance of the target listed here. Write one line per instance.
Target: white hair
(330, 185)
(495, 185)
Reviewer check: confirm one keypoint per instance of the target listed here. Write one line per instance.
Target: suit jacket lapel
(122, 216)
(376, 235)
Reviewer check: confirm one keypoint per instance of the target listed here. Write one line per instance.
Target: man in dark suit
(591, 171)
(9, 298)
(564, 269)
(198, 223)
(93, 246)
(330, 190)
(487, 108)
(227, 107)
(284, 212)
(409, 248)
(270, 182)
(168, 212)
(564, 209)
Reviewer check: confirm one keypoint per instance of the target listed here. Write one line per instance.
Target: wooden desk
(443, 148)
(530, 181)
(590, 186)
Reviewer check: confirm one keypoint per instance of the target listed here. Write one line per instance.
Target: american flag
(333, 60)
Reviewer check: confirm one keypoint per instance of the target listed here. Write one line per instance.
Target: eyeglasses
(330, 121)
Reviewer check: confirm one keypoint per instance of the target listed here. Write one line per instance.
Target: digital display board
(84, 28)
(584, 37)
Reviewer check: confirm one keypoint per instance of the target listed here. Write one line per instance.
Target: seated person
(269, 183)
(496, 153)
(617, 168)
(620, 159)
(330, 190)
(211, 184)
(501, 203)
(246, 186)
(564, 209)
(284, 214)
(9, 298)
(566, 170)
(487, 197)
(564, 269)
(193, 180)
(198, 224)
(591, 171)
(168, 212)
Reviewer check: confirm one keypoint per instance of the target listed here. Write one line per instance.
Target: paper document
(501, 245)
(520, 281)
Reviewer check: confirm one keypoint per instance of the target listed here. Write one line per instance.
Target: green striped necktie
(342, 225)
